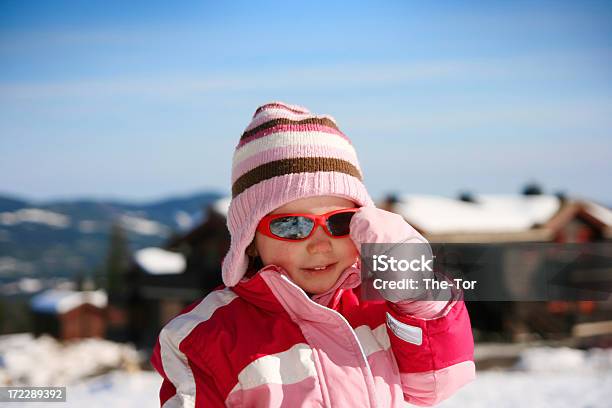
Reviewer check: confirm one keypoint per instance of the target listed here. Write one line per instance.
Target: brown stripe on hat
(284, 121)
(289, 166)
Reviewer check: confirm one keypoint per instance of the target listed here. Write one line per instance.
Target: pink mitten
(384, 229)
(372, 225)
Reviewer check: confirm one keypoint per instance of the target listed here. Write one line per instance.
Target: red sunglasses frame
(319, 220)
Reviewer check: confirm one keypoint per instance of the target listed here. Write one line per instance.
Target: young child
(289, 328)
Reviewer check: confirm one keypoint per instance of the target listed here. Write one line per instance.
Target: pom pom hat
(285, 153)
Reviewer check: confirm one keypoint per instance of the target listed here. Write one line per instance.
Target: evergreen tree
(533, 188)
(1, 317)
(117, 260)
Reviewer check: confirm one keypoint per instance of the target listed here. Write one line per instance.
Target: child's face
(318, 250)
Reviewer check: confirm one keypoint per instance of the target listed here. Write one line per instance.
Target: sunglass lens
(291, 227)
(338, 224)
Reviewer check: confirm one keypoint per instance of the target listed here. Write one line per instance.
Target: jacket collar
(272, 289)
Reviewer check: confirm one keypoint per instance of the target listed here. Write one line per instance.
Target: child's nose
(319, 242)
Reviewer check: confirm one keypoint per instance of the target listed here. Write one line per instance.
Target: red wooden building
(67, 314)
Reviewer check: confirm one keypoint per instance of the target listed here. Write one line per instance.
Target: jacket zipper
(365, 358)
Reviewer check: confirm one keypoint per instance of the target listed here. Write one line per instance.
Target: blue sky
(139, 100)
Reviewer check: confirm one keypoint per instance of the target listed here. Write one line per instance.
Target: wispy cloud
(339, 75)
(565, 116)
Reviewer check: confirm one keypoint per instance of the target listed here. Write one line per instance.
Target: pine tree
(1, 317)
(117, 260)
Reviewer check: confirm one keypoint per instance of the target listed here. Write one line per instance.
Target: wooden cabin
(505, 221)
(67, 314)
(163, 281)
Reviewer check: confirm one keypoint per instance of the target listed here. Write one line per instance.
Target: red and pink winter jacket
(266, 343)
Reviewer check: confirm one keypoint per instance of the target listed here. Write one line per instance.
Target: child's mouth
(321, 268)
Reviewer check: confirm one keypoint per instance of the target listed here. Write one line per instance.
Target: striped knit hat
(286, 153)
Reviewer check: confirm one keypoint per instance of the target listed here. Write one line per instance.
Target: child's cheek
(285, 254)
(350, 252)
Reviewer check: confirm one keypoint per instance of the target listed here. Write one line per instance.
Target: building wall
(83, 321)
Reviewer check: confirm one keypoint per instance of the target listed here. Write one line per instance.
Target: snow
(143, 226)
(10, 265)
(602, 213)
(537, 209)
(29, 285)
(489, 213)
(61, 300)
(120, 389)
(573, 385)
(96, 373)
(186, 221)
(527, 389)
(183, 220)
(34, 285)
(565, 359)
(35, 215)
(543, 377)
(117, 389)
(157, 261)
(221, 206)
(43, 361)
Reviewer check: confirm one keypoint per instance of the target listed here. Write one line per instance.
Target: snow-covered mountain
(64, 238)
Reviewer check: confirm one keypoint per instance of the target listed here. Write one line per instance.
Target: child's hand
(371, 225)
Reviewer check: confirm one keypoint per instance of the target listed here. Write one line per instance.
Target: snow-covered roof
(221, 206)
(600, 212)
(158, 261)
(61, 301)
(488, 213)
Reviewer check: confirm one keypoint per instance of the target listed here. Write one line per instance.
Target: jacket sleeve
(435, 355)
(181, 377)
(431, 340)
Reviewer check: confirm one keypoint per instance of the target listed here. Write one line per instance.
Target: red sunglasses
(298, 227)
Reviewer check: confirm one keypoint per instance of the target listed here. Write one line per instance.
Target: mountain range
(69, 238)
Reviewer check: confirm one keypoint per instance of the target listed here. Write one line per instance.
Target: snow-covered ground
(543, 376)
(43, 361)
(491, 389)
(117, 389)
(535, 389)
